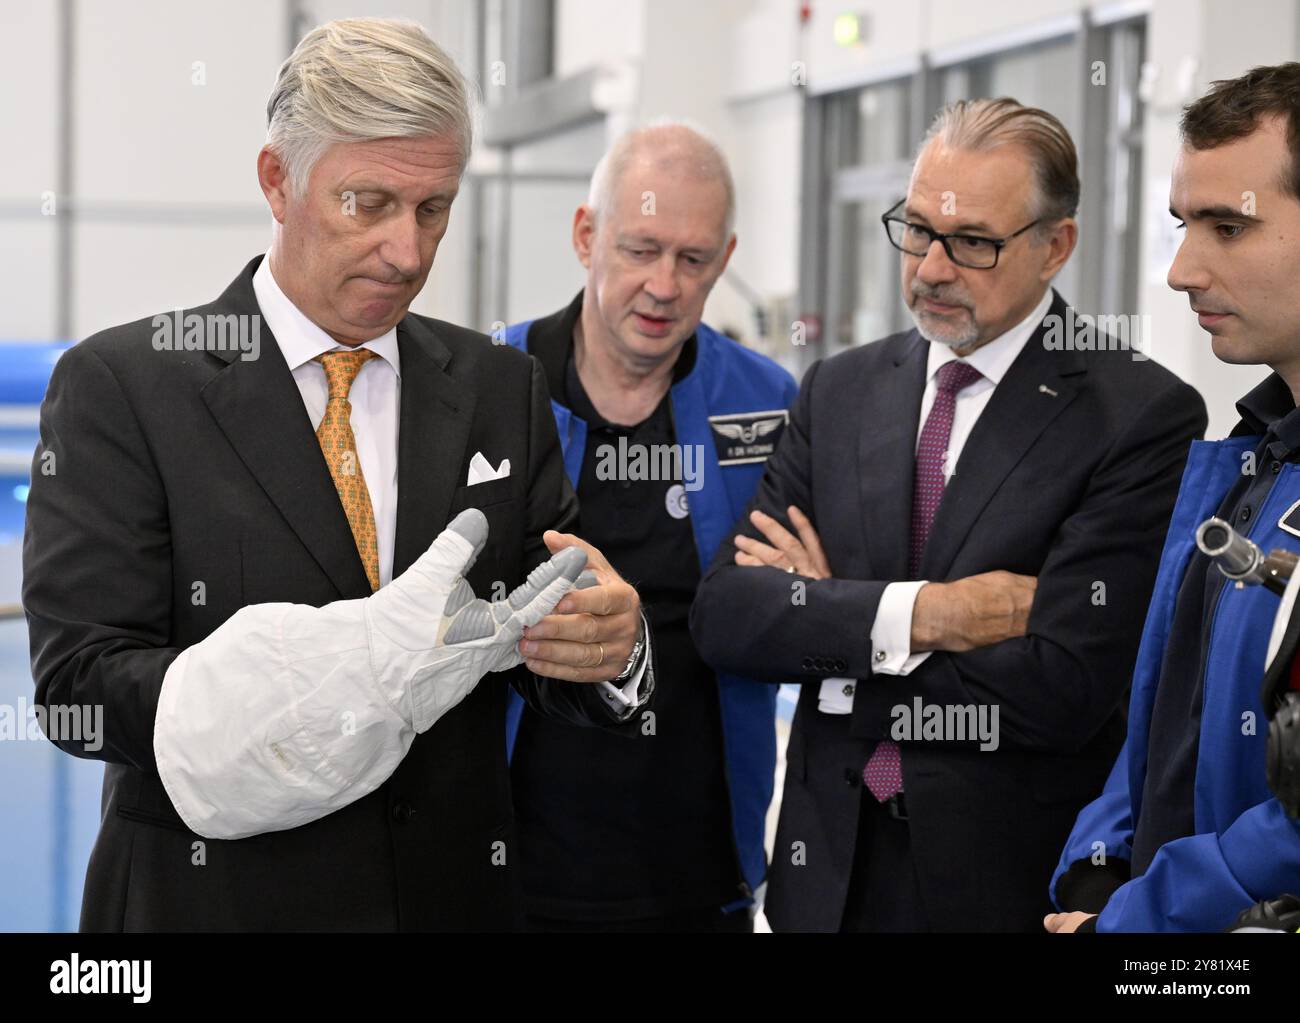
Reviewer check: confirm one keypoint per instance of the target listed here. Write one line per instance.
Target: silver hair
(358, 79)
(677, 145)
(980, 125)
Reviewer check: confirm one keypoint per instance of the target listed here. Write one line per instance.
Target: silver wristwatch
(638, 648)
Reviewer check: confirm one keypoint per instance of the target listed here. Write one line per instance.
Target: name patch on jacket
(1290, 520)
(747, 436)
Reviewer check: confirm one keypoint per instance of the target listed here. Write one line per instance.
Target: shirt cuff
(891, 632)
(836, 695)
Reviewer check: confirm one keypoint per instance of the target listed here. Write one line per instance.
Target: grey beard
(967, 337)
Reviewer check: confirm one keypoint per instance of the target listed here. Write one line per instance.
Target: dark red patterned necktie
(883, 774)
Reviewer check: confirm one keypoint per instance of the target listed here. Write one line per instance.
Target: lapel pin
(1044, 389)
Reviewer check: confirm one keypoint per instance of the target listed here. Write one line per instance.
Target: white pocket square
(481, 471)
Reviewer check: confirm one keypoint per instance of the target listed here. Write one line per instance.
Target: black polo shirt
(612, 828)
(1168, 794)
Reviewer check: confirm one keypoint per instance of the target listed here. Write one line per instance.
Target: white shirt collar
(300, 339)
(995, 358)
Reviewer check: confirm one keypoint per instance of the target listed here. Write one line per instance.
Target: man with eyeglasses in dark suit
(953, 548)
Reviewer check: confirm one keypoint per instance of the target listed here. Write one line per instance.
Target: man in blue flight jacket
(1186, 833)
(666, 426)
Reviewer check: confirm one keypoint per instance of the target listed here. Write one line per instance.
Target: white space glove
(431, 639)
(289, 712)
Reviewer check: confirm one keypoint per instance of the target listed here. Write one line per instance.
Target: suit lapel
(433, 434)
(1036, 389)
(887, 453)
(258, 407)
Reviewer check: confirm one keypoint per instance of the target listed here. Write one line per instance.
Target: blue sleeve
(789, 389)
(1201, 883)
(1108, 819)
(516, 335)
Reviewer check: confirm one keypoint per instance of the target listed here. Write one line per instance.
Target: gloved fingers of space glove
(452, 554)
(566, 565)
(471, 525)
(470, 622)
(527, 604)
(545, 586)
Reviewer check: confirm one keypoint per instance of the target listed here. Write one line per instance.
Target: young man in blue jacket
(666, 426)
(1186, 833)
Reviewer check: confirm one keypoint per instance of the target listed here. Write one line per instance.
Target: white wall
(150, 135)
(893, 33)
(446, 292)
(164, 167)
(544, 272)
(29, 124)
(592, 32)
(765, 124)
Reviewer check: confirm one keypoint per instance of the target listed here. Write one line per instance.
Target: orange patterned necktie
(340, 449)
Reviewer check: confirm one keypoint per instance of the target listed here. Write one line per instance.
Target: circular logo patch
(675, 499)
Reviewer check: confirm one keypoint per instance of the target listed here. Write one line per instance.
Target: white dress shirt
(891, 632)
(286, 713)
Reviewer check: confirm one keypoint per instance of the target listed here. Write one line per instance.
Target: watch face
(635, 656)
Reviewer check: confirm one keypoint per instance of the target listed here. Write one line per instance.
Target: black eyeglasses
(969, 250)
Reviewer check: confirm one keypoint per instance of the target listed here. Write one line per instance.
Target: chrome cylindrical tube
(1241, 560)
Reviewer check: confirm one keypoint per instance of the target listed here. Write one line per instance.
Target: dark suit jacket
(1069, 475)
(174, 468)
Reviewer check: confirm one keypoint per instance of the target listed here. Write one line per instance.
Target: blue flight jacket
(727, 379)
(1245, 847)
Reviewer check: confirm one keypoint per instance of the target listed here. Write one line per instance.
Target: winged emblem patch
(747, 436)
